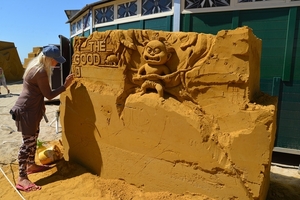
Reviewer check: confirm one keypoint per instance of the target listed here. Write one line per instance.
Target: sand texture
(178, 112)
(10, 62)
(71, 181)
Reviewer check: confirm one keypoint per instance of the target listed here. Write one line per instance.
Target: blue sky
(35, 23)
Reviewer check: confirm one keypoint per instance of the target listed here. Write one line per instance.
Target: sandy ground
(70, 181)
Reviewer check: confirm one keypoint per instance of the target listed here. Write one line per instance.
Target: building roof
(73, 14)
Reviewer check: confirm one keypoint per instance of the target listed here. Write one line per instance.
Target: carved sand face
(155, 53)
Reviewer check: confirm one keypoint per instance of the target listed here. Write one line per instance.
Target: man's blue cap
(53, 51)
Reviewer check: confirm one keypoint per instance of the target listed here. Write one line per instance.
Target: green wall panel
(270, 42)
(296, 50)
(276, 62)
(296, 72)
(271, 71)
(271, 27)
(105, 28)
(266, 24)
(163, 24)
(267, 34)
(275, 14)
(272, 52)
(210, 22)
(86, 33)
(131, 25)
(279, 30)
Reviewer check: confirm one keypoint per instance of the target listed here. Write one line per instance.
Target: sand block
(10, 62)
(171, 111)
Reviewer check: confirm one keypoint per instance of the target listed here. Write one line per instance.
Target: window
(105, 14)
(242, 1)
(79, 25)
(86, 20)
(127, 9)
(156, 6)
(189, 4)
(73, 28)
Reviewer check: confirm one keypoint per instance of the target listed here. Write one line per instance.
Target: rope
(12, 184)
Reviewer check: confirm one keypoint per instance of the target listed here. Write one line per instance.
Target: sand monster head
(156, 53)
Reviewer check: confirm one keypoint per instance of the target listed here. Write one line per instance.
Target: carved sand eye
(157, 50)
(149, 50)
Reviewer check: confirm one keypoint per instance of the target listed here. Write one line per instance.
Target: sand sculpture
(171, 111)
(10, 62)
(35, 52)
